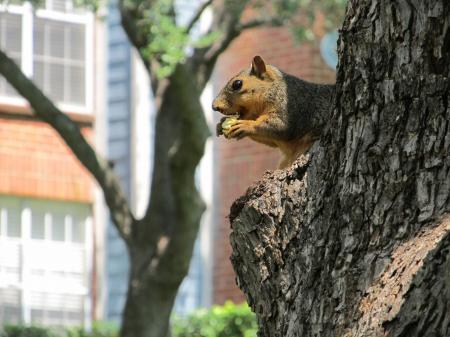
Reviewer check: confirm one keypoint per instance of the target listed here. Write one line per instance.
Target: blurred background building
(47, 200)
(61, 260)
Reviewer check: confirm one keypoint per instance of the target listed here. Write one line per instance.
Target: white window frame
(28, 15)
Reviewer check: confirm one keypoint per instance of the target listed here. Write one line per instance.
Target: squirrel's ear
(258, 66)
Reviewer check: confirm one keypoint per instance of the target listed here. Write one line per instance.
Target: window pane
(58, 5)
(12, 34)
(55, 39)
(11, 41)
(37, 316)
(38, 36)
(74, 318)
(58, 227)
(13, 229)
(10, 311)
(54, 317)
(57, 309)
(66, 6)
(78, 229)
(56, 82)
(77, 34)
(37, 225)
(77, 85)
(38, 73)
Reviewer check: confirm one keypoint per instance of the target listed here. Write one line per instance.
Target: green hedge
(99, 329)
(229, 320)
(21, 331)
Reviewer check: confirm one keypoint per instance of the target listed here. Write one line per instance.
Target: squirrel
(274, 108)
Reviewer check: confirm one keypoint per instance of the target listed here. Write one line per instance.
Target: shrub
(25, 331)
(99, 329)
(229, 320)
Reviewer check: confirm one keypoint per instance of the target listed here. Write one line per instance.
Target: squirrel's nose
(216, 107)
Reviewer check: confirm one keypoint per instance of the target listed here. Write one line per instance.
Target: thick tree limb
(175, 207)
(180, 134)
(71, 134)
(165, 237)
(132, 14)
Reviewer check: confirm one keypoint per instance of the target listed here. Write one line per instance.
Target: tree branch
(71, 134)
(270, 22)
(131, 16)
(132, 22)
(227, 15)
(233, 32)
(198, 14)
(227, 19)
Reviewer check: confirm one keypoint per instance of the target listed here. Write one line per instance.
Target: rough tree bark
(354, 239)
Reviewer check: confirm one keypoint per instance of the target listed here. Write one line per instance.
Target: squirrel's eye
(237, 85)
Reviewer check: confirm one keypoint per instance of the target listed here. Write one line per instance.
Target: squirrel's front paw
(219, 130)
(241, 129)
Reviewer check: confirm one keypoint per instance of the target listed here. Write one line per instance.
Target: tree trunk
(353, 240)
(162, 242)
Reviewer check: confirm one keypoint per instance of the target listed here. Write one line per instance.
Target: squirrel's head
(244, 93)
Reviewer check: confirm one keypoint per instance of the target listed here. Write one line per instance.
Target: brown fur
(276, 109)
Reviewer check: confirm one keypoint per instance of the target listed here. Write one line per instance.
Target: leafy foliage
(22, 331)
(99, 329)
(170, 42)
(229, 320)
(167, 40)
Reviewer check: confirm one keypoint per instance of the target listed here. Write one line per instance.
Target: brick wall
(240, 163)
(35, 162)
